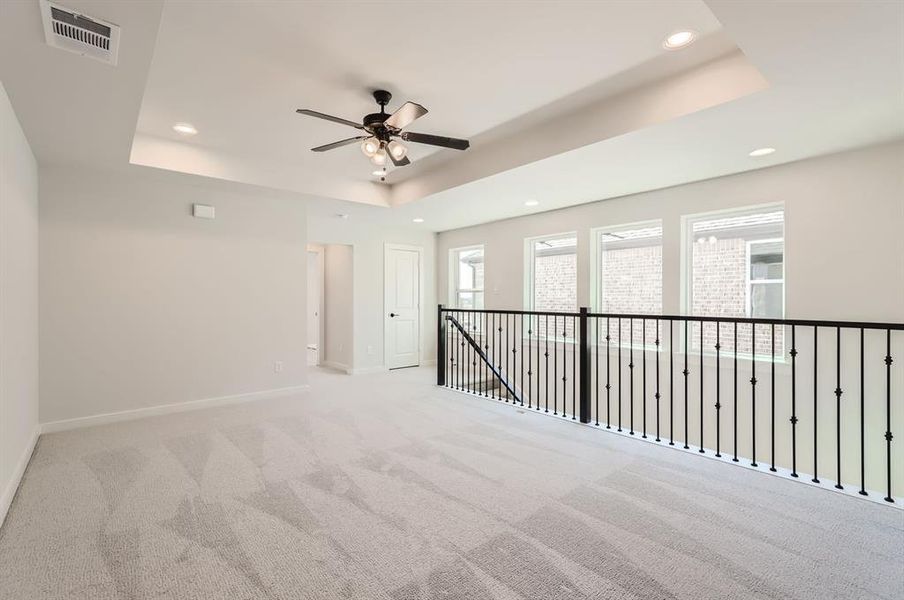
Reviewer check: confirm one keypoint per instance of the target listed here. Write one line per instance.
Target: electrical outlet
(277, 366)
(370, 350)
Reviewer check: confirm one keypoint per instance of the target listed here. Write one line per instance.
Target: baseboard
(336, 366)
(165, 409)
(10, 492)
(368, 370)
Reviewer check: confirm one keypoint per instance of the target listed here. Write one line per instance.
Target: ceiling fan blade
(338, 144)
(436, 140)
(399, 163)
(320, 115)
(405, 115)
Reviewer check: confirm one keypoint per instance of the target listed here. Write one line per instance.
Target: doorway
(402, 305)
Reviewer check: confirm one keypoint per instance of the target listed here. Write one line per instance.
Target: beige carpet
(385, 486)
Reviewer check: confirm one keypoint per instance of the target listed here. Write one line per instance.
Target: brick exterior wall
(631, 282)
(720, 289)
(556, 289)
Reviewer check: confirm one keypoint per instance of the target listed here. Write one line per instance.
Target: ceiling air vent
(67, 30)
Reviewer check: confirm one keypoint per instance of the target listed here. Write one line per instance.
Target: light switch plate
(203, 211)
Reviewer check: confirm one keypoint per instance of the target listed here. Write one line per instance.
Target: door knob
(392, 315)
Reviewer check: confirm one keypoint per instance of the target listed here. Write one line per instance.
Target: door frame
(387, 247)
(319, 250)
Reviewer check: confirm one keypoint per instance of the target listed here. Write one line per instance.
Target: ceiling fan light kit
(384, 132)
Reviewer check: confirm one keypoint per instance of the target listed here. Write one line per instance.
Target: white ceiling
(565, 102)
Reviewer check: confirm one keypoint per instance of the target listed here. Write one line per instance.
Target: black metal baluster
(500, 355)
(492, 357)
(657, 396)
(486, 349)
(671, 383)
(506, 357)
(530, 359)
(469, 353)
(793, 403)
(718, 390)
(521, 340)
(772, 415)
(546, 356)
(686, 373)
(815, 402)
(838, 393)
(596, 384)
(735, 415)
(862, 418)
(608, 379)
(643, 404)
(574, 366)
(888, 435)
(455, 336)
(701, 388)
(631, 372)
(564, 365)
(619, 372)
(555, 364)
(753, 395)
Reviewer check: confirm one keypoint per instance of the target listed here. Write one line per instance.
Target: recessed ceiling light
(418, 220)
(531, 203)
(762, 152)
(679, 39)
(185, 128)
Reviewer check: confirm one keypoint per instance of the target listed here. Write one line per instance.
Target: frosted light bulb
(397, 150)
(370, 146)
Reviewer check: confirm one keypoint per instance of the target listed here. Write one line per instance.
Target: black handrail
(702, 319)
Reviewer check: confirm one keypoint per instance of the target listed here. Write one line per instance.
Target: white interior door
(315, 284)
(402, 305)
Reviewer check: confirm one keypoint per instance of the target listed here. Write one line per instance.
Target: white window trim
(596, 297)
(453, 274)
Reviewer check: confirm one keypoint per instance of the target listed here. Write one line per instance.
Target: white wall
(339, 305)
(144, 305)
(18, 302)
(843, 243)
(367, 242)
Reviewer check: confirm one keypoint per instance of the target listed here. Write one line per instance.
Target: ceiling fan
(384, 132)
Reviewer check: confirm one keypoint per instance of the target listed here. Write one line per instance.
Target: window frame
(454, 290)
(687, 248)
(529, 264)
(686, 269)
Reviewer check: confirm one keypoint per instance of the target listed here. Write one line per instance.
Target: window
(466, 275)
(553, 275)
(736, 269)
(629, 269)
(628, 275)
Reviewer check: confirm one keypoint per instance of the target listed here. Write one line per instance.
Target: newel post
(440, 346)
(584, 358)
